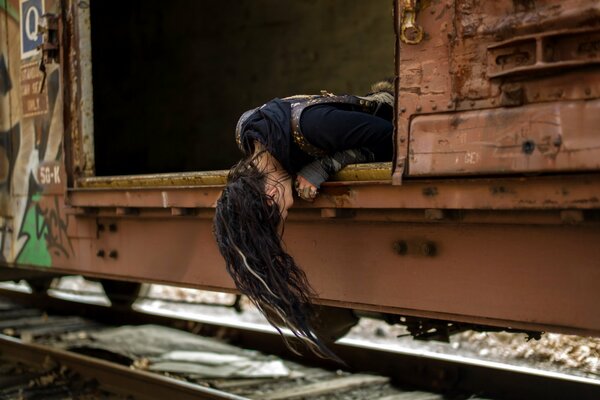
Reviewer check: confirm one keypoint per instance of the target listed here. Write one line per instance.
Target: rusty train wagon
(117, 128)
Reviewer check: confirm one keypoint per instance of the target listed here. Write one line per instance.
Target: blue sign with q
(31, 17)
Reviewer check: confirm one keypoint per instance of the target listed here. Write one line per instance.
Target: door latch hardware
(410, 32)
(49, 31)
(49, 47)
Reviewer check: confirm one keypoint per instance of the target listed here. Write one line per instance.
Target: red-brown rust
(547, 137)
(550, 192)
(518, 250)
(516, 272)
(453, 70)
(69, 53)
(525, 267)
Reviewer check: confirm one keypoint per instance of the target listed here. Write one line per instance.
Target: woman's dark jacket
(322, 127)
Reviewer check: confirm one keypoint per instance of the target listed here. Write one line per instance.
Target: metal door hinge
(49, 31)
(49, 47)
(410, 32)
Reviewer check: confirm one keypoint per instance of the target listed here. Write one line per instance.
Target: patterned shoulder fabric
(238, 127)
(299, 105)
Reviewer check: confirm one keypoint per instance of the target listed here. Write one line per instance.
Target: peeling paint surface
(486, 56)
(31, 132)
(496, 239)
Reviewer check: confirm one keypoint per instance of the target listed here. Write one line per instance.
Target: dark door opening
(170, 79)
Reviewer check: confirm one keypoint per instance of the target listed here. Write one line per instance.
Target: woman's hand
(305, 189)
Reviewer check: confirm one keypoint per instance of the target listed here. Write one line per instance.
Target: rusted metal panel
(9, 124)
(10, 127)
(541, 193)
(523, 247)
(483, 28)
(546, 51)
(83, 79)
(498, 54)
(423, 79)
(76, 66)
(491, 263)
(546, 137)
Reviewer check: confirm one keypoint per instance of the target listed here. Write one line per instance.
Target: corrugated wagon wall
(171, 78)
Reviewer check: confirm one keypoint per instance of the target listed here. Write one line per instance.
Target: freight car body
(488, 214)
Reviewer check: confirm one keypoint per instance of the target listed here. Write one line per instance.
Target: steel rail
(415, 367)
(422, 368)
(112, 377)
(141, 297)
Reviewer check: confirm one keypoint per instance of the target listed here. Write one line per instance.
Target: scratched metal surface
(488, 56)
(512, 251)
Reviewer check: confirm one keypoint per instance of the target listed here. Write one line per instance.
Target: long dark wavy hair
(247, 227)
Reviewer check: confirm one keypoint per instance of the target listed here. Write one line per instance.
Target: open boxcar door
(463, 238)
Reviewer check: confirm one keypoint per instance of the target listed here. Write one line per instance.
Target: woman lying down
(304, 140)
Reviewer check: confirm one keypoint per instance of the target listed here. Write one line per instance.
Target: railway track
(40, 328)
(71, 346)
(33, 371)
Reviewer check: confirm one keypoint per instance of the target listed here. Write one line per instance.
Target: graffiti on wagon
(33, 231)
